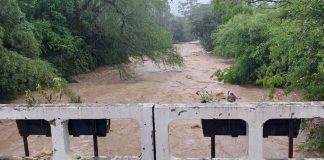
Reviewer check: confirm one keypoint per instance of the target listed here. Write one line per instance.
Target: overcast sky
(175, 3)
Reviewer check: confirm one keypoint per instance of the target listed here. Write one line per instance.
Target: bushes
(280, 48)
(203, 23)
(296, 46)
(242, 72)
(241, 35)
(244, 38)
(229, 8)
(68, 53)
(19, 73)
(17, 32)
(180, 29)
(22, 40)
(20, 68)
(315, 140)
(75, 36)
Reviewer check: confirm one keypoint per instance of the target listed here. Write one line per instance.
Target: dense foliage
(203, 23)
(243, 38)
(19, 73)
(278, 47)
(315, 139)
(180, 29)
(20, 67)
(43, 38)
(229, 9)
(179, 25)
(197, 23)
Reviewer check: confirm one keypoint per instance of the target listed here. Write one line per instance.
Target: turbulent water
(158, 85)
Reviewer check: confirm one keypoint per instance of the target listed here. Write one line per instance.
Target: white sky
(175, 3)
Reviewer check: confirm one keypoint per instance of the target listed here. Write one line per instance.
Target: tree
(229, 8)
(112, 30)
(203, 23)
(20, 68)
(186, 7)
(76, 36)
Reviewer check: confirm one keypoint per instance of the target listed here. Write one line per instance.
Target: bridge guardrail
(154, 120)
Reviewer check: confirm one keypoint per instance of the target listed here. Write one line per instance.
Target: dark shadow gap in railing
(153, 132)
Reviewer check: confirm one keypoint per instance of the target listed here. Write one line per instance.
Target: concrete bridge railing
(154, 120)
(59, 114)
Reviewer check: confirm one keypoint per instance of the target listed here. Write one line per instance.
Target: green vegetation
(43, 39)
(276, 45)
(282, 47)
(315, 139)
(181, 29)
(179, 26)
(19, 73)
(243, 38)
(197, 22)
(203, 23)
(54, 94)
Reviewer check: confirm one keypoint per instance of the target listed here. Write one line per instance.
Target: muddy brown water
(155, 84)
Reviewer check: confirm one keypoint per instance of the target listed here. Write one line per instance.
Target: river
(156, 84)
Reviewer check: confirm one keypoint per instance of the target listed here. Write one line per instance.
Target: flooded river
(153, 84)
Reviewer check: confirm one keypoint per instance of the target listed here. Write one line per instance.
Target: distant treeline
(197, 22)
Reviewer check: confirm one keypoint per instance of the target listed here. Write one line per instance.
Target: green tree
(186, 6)
(229, 8)
(75, 36)
(203, 23)
(282, 47)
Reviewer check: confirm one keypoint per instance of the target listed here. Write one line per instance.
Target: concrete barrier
(59, 114)
(154, 120)
(254, 114)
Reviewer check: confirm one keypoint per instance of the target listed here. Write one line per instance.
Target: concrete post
(147, 132)
(60, 139)
(162, 134)
(255, 142)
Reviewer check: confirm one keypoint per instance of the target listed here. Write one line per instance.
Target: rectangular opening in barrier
(25, 138)
(293, 138)
(195, 139)
(122, 139)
